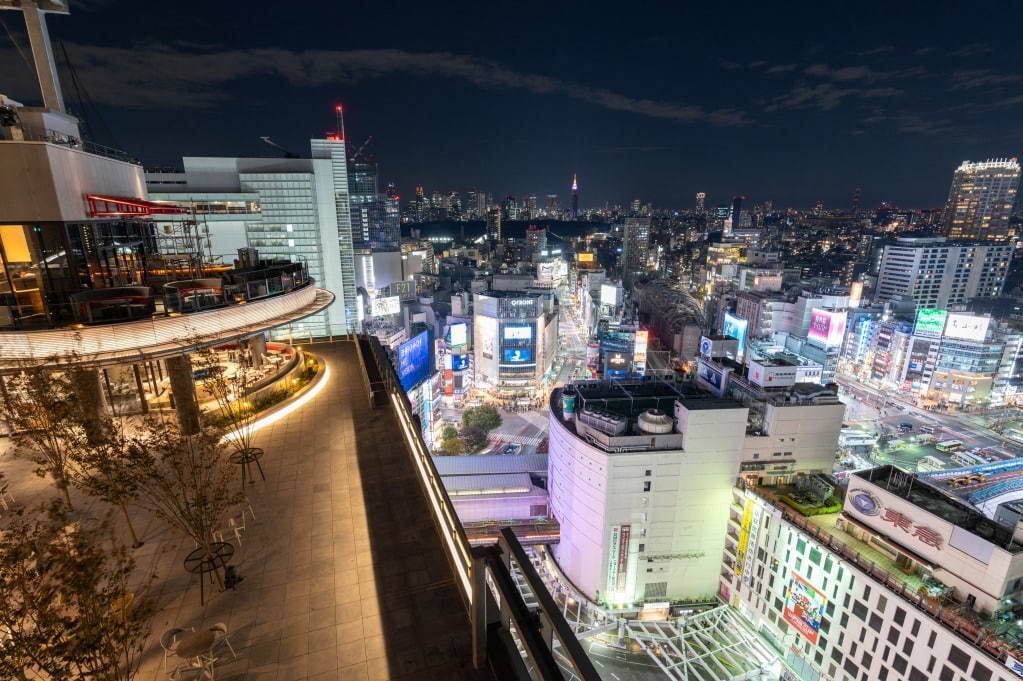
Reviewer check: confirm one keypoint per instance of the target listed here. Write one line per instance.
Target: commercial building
(937, 272)
(981, 200)
(374, 215)
(635, 246)
(515, 338)
(641, 474)
(899, 581)
(294, 208)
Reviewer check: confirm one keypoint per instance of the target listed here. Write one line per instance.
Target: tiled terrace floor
(344, 576)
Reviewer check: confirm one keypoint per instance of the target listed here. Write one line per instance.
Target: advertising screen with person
(517, 354)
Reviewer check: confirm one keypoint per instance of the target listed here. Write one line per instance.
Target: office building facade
(981, 200)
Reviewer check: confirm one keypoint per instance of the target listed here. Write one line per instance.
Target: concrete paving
(344, 575)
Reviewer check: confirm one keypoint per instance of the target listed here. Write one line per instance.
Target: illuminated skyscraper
(701, 199)
(552, 205)
(575, 197)
(494, 224)
(981, 199)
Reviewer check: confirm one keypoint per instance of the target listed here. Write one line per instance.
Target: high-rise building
(529, 207)
(937, 272)
(575, 197)
(736, 209)
(515, 339)
(494, 224)
(635, 246)
(374, 224)
(293, 208)
(701, 200)
(635, 207)
(981, 199)
(536, 238)
(552, 208)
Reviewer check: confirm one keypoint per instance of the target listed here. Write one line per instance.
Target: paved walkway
(344, 576)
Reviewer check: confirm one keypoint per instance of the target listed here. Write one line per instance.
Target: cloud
(968, 79)
(882, 49)
(171, 76)
(825, 96)
(781, 68)
(914, 124)
(971, 50)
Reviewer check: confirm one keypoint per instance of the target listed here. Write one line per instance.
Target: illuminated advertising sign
(855, 293)
(804, 608)
(486, 336)
(827, 327)
(584, 257)
(608, 294)
(459, 362)
(385, 306)
(518, 332)
(967, 327)
(639, 351)
(618, 559)
(459, 334)
(517, 354)
(930, 322)
(414, 361)
(736, 328)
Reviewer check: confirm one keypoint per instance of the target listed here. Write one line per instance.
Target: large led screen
(930, 322)
(414, 361)
(517, 355)
(518, 332)
(967, 327)
(827, 327)
(736, 328)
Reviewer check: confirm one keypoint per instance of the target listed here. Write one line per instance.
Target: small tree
(484, 417)
(185, 480)
(473, 439)
(69, 609)
(44, 414)
(235, 414)
(452, 446)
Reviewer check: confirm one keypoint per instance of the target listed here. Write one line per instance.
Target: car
(905, 427)
(511, 448)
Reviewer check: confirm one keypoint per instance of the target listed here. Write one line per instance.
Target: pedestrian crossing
(522, 439)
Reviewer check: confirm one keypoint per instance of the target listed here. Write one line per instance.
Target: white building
(937, 273)
(641, 476)
(896, 585)
(294, 208)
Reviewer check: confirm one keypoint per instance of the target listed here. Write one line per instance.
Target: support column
(478, 611)
(89, 393)
(179, 370)
(42, 55)
(256, 346)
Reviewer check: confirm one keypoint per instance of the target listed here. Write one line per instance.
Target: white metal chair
(233, 527)
(221, 639)
(169, 642)
(196, 670)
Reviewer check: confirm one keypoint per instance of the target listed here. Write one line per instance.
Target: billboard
(855, 293)
(385, 306)
(414, 361)
(736, 328)
(459, 362)
(967, 327)
(804, 608)
(459, 334)
(618, 560)
(609, 294)
(827, 327)
(486, 336)
(518, 332)
(584, 257)
(517, 354)
(639, 351)
(930, 322)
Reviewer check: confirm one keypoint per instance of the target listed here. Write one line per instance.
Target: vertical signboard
(639, 352)
(623, 557)
(613, 544)
(752, 536)
(804, 608)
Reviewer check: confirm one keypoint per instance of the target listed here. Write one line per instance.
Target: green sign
(930, 322)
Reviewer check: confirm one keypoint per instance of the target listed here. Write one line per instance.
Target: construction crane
(287, 154)
(358, 152)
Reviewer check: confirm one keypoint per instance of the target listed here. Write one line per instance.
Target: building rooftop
(920, 492)
(630, 398)
(490, 464)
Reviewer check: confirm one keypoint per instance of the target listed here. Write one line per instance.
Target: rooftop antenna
(340, 113)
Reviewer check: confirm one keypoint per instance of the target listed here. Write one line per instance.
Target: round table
(198, 562)
(245, 458)
(195, 644)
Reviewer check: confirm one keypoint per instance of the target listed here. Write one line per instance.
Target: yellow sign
(747, 521)
(584, 257)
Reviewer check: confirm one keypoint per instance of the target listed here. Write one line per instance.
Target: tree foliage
(235, 413)
(484, 417)
(473, 439)
(69, 608)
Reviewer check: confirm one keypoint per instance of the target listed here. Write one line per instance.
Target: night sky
(778, 101)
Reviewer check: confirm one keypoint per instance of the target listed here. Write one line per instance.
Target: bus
(949, 446)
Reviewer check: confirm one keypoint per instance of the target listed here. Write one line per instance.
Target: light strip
(301, 401)
(434, 500)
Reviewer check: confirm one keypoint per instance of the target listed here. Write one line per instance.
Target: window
(900, 616)
(642, 548)
(959, 658)
(876, 622)
(851, 667)
(646, 486)
(916, 675)
(980, 672)
(900, 664)
(866, 660)
(907, 647)
(946, 674)
(916, 628)
(860, 610)
(648, 472)
(931, 638)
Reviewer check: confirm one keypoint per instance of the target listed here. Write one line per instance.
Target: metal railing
(525, 641)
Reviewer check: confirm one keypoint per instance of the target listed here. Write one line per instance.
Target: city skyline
(861, 104)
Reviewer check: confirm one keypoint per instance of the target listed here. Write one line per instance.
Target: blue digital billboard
(414, 361)
(517, 354)
(459, 362)
(735, 327)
